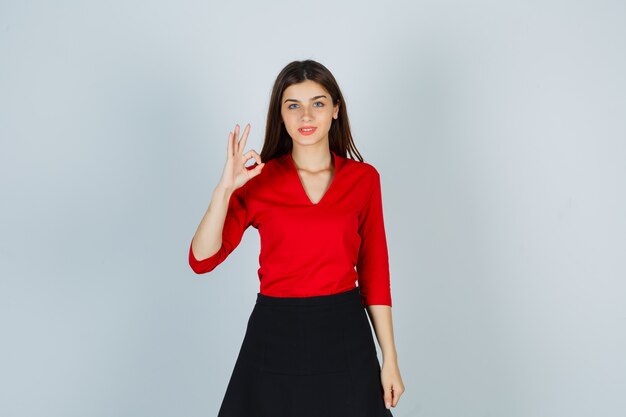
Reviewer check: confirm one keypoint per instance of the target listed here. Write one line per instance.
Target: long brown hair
(277, 140)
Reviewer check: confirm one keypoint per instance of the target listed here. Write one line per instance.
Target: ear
(336, 110)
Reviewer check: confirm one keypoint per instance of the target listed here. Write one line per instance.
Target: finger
(251, 154)
(229, 150)
(387, 396)
(255, 155)
(396, 397)
(397, 393)
(244, 137)
(237, 149)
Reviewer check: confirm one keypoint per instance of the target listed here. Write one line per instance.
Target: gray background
(499, 132)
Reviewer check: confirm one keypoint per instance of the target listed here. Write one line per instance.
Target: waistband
(353, 295)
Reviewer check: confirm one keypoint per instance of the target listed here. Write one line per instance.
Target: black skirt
(306, 357)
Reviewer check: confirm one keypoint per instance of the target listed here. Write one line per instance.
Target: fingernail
(388, 405)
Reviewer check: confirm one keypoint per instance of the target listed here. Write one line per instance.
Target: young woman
(308, 348)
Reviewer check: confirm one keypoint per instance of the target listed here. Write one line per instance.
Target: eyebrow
(298, 101)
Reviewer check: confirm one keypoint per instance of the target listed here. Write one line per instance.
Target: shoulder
(361, 169)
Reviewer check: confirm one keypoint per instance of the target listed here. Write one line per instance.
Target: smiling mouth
(307, 130)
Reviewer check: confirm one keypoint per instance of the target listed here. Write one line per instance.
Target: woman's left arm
(380, 316)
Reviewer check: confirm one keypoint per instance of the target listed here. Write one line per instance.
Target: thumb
(256, 170)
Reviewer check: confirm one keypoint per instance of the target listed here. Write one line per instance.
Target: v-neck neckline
(294, 169)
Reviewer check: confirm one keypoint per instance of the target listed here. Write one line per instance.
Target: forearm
(382, 321)
(208, 237)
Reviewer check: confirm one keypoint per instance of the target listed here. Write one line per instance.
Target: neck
(311, 159)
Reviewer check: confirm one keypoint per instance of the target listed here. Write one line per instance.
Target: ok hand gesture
(235, 172)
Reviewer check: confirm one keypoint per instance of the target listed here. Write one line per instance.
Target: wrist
(223, 190)
(390, 357)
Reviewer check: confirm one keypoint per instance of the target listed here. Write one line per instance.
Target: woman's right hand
(235, 172)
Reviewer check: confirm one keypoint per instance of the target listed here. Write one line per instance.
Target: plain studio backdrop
(499, 131)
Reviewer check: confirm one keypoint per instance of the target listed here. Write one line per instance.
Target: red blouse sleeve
(373, 260)
(236, 222)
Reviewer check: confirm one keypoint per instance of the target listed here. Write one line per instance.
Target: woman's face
(308, 104)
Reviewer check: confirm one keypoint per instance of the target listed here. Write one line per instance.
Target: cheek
(326, 115)
(290, 121)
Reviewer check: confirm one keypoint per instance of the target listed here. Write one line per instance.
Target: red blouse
(311, 249)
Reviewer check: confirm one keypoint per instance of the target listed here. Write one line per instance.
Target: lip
(313, 129)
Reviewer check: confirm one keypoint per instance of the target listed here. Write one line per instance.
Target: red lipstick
(307, 130)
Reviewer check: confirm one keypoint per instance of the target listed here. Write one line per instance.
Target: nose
(306, 115)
